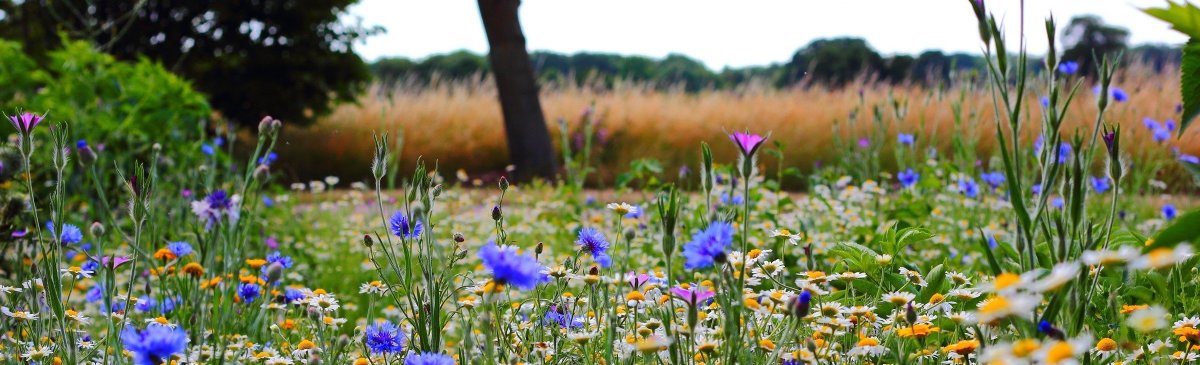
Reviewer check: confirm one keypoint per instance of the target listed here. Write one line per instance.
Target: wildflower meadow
(1063, 244)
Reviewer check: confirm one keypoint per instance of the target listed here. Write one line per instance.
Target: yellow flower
(1106, 344)
(766, 344)
(919, 330)
(1126, 309)
(256, 263)
(963, 347)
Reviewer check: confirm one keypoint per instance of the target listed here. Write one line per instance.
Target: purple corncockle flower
(25, 122)
(864, 142)
(637, 280)
(693, 294)
(747, 143)
(114, 261)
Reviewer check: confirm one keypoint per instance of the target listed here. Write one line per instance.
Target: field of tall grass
(459, 124)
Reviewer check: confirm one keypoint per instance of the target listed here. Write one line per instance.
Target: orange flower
(164, 254)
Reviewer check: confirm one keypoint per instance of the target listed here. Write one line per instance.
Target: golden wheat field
(458, 124)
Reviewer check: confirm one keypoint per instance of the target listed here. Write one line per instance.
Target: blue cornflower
(592, 241)
(1150, 124)
(276, 257)
(268, 159)
(402, 227)
(70, 234)
(1064, 152)
(636, 213)
(509, 267)
(169, 304)
(90, 265)
(1036, 189)
(1045, 101)
(1100, 184)
(248, 292)
(1057, 202)
(908, 177)
(726, 199)
(1168, 211)
(567, 320)
(1068, 67)
(1189, 159)
(208, 149)
(179, 248)
(1161, 134)
(968, 187)
(1169, 125)
(268, 202)
(154, 345)
(81, 144)
(145, 304)
(708, 246)
(384, 337)
(1119, 95)
(292, 294)
(95, 294)
(428, 358)
(906, 139)
(219, 141)
(994, 179)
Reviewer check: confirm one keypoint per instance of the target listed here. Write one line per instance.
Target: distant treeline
(832, 62)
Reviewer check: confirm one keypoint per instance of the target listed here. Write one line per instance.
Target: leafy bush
(123, 106)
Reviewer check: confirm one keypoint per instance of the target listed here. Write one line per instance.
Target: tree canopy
(292, 59)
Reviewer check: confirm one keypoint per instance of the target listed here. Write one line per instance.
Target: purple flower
(215, 207)
(154, 345)
(509, 267)
(114, 261)
(864, 142)
(25, 122)
(747, 143)
(593, 242)
(908, 177)
(693, 294)
(708, 246)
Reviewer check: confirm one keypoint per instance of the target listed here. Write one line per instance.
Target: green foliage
(125, 106)
(1184, 228)
(1189, 80)
(290, 58)
(1185, 18)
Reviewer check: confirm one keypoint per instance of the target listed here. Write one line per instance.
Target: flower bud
(367, 241)
(97, 229)
(458, 237)
(261, 171)
(496, 214)
(274, 272)
(538, 250)
(503, 183)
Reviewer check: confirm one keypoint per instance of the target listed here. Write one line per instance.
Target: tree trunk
(529, 147)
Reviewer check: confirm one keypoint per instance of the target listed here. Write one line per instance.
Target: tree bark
(529, 147)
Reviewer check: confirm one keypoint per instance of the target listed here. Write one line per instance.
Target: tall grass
(459, 123)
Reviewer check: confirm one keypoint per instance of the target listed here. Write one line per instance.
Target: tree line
(832, 62)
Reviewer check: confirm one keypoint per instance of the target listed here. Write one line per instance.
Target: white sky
(731, 33)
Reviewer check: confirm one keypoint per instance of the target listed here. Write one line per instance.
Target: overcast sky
(730, 33)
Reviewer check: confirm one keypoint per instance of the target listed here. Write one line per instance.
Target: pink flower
(114, 261)
(637, 280)
(25, 122)
(748, 143)
(693, 295)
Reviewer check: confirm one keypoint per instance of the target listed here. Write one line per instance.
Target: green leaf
(1184, 17)
(1189, 82)
(934, 280)
(1183, 228)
